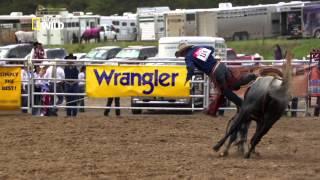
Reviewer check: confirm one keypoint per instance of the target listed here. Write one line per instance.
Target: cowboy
(202, 58)
(71, 86)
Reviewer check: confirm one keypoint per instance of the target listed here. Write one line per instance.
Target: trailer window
(191, 17)
(132, 24)
(116, 23)
(124, 24)
(92, 24)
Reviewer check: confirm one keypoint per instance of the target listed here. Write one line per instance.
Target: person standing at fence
(55, 74)
(82, 77)
(44, 88)
(24, 88)
(114, 32)
(278, 52)
(71, 86)
(37, 88)
(315, 87)
(109, 103)
(202, 58)
(37, 52)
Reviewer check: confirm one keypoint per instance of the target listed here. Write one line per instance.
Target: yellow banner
(120, 81)
(10, 88)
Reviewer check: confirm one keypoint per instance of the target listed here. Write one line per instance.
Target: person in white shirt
(60, 76)
(38, 82)
(82, 76)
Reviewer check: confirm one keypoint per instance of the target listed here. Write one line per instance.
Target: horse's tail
(283, 92)
(287, 75)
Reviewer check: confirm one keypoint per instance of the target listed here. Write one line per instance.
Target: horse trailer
(246, 22)
(125, 27)
(193, 22)
(151, 23)
(9, 24)
(74, 26)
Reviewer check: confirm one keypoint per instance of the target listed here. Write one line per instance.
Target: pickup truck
(232, 55)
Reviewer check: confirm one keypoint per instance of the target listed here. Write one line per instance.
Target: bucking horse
(265, 102)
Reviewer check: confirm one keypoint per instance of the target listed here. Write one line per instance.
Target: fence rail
(204, 83)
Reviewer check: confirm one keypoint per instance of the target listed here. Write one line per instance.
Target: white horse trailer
(151, 23)
(237, 23)
(125, 26)
(74, 25)
(194, 22)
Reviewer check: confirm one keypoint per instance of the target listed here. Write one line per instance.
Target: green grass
(300, 47)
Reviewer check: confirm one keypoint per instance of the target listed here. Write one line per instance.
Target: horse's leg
(232, 138)
(243, 116)
(262, 128)
(254, 139)
(243, 137)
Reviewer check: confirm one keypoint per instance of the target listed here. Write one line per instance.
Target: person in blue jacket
(202, 58)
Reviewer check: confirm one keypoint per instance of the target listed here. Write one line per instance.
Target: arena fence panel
(200, 86)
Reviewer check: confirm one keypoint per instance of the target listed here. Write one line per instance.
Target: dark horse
(92, 33)
(265, 102)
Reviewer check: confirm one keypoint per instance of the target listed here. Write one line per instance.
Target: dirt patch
(150, 146)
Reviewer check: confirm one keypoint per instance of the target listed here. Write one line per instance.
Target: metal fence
(203, 82)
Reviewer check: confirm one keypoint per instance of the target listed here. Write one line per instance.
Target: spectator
(117, 104)
(74, 38)
(294, 106)
(317, 107)
(71, 86)
(114, 32)
(37, 52)
(58, 76)
(37, 88)
(315, 77)
(278, 53)
(24, 88)
(82, 76)
(44, 88)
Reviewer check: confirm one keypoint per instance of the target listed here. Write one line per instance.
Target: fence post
(30, 79)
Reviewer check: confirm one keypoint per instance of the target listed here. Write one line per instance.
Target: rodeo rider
(202, 58)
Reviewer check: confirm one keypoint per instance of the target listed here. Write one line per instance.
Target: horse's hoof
(247, 156)
(257, 154)
(223, 154)
(216, 148)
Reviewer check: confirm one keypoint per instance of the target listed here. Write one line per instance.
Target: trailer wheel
(317, 34)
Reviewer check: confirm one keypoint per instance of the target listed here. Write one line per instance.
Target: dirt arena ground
(150, 146)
